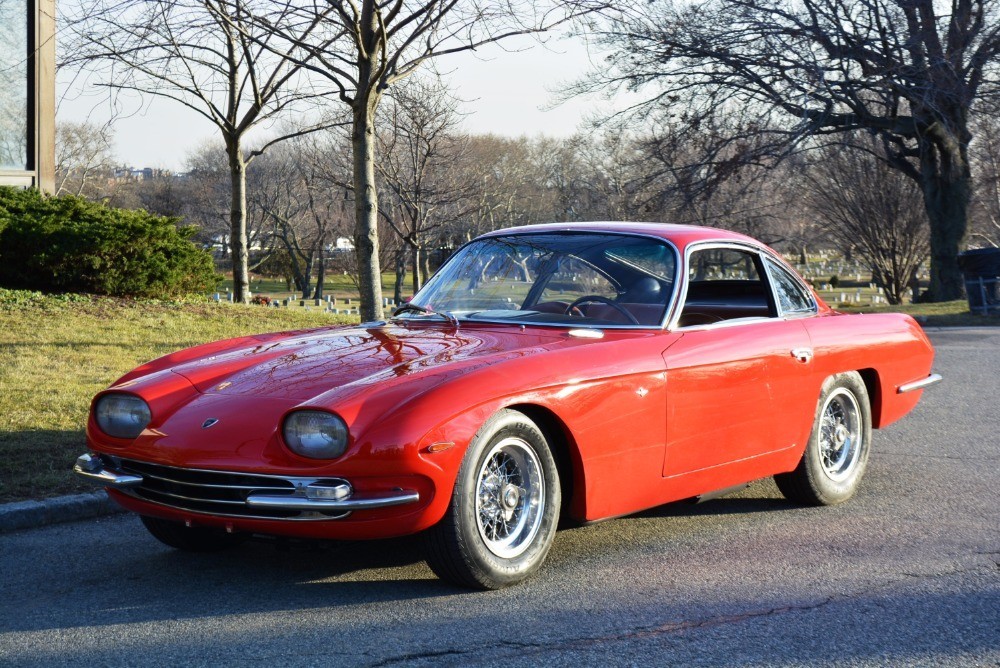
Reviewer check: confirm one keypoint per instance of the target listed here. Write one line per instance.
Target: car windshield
(565, 278)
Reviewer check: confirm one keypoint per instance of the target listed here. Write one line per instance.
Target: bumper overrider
(235, 494)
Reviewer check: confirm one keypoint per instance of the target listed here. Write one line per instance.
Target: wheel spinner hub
(840, 444)
(510, 499)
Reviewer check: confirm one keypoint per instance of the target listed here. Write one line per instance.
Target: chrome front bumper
(235, 494)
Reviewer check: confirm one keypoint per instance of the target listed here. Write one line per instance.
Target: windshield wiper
(450, 317)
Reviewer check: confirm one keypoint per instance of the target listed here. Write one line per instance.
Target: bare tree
(874, 208)
(907, 70)
(986, 158)
(84, 157)
(208, 184)
(509, 189)
(366, 46)
(422, 164)
(303, 215)
(209, 56)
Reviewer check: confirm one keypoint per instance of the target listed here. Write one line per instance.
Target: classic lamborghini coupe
(545, 374)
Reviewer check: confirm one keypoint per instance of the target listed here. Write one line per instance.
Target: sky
(508, 91)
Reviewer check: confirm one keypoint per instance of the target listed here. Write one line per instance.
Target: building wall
(27, 93)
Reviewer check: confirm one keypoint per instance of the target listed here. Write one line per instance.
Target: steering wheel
(600, 300)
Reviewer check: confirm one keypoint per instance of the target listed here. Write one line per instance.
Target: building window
(15, 78)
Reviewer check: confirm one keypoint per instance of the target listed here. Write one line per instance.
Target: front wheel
(836, 456)
(504, 509)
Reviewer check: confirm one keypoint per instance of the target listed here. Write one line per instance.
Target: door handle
(803, 355)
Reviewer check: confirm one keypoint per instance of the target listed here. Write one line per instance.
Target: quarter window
(791, 296)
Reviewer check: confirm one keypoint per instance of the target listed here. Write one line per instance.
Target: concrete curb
(30, 514)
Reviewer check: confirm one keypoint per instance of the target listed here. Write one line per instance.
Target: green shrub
(69, 244)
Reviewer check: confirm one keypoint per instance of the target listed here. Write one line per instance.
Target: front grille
(217, 492)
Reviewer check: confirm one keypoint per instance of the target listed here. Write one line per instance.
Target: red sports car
(545, 373)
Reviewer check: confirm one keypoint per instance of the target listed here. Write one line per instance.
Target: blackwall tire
(504, 509)
(836, 457)
(191, 539)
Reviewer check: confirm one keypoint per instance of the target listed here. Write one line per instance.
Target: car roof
(680, 235)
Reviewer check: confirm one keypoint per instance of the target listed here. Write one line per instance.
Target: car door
(733, 377)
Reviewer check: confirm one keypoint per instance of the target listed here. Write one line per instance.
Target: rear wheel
(504, 508)
(836, 456)
(191, 539)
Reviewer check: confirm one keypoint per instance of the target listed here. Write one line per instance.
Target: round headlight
(315, 434)
(121, 415)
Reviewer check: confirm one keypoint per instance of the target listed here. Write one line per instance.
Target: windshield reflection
(568, 278)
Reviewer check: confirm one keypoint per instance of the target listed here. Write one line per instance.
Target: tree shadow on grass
(38, 464)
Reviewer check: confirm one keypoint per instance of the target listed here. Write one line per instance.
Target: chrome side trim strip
(351, 503)
(932, 379)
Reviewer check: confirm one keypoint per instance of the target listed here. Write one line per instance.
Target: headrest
(646, 290)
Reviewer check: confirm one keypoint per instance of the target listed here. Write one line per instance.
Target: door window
(724, 284)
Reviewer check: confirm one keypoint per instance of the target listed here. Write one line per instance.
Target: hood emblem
(209, 423)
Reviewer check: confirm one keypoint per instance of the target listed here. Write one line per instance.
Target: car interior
(725, 284)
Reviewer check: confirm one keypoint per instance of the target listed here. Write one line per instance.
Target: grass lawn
(943, 314)
(56, 352)
(338, 285)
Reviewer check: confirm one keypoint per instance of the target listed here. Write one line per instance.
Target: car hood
(344, 361)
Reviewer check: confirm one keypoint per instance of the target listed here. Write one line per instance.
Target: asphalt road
(907, 573)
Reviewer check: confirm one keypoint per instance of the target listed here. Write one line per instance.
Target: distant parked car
(549, 372)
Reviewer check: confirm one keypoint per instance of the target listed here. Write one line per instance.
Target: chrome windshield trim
(932, 379)
(514, 232)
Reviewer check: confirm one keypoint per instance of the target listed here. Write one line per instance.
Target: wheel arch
(572, 478)
(873, 385)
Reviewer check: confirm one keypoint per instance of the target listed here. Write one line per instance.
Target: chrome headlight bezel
(121, 415)
(315, 434)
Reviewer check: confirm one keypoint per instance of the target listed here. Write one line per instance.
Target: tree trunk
(238, 222)
(366, 211)
(320, 270)
(946, 182)
(417, 278)
(400, 275)
(302, 274)
(425, 266)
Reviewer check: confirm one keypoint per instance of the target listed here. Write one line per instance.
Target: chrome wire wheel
(510, 497)
(836, 455)
(841, 435)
